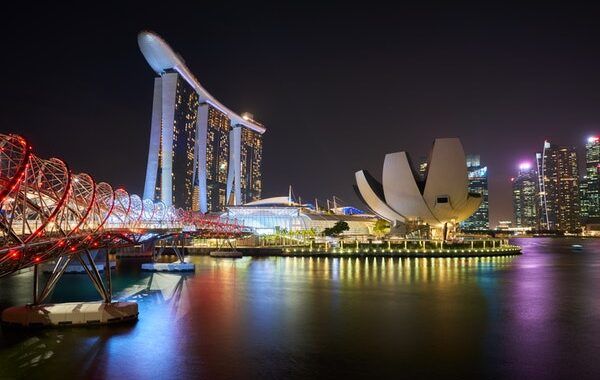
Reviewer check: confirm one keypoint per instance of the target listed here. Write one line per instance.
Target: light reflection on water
(530, 316)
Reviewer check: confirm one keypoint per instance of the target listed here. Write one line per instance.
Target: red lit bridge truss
(47, 212)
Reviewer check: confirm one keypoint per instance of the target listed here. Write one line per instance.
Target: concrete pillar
(201, 131)
(154, 149)
(169, 90)
(234, 175)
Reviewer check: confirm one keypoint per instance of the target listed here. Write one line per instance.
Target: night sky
(337, 86)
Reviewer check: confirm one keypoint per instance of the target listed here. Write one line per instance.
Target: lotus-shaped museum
(441, 197)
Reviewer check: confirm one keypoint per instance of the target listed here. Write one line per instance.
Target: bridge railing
(46, 210)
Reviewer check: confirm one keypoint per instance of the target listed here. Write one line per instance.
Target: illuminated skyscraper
(175, 161)
(422, 168)
(589, 187)
(478, 183)
(560, 187)
(543, 221)
(251, 161)
(525, 196)
(217, 155)
(196, 143)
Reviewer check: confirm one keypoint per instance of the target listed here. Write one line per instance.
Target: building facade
(589, 187)
(172, 163)
(478, 183)
(525, 197)
(218, 145)
(559, 188)
(200, 152)
(281, 215)
(543, 221)
(251, 162)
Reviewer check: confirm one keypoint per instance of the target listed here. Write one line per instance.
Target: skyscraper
(422, 169)
(543, 221)
(589, 187)
(525, 196)
(218, 145)
(478, 183)
(196, 143)
(560, 187)
(251, 161)
(175, 160)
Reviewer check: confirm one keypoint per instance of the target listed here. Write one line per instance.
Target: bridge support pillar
(39, 314)
(180, 266)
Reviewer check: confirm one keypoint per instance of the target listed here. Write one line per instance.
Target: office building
(478, 183)
(525, 196)
(589, 187)
(559, 182)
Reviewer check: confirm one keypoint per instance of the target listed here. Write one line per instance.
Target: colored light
(525, 165)
(592, 139)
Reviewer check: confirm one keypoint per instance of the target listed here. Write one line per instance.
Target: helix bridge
(48, 213)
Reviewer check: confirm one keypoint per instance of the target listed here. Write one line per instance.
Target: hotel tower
(202, 155)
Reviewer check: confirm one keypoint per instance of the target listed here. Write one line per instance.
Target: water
(525, 317)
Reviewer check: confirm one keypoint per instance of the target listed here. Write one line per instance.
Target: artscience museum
(440, 200)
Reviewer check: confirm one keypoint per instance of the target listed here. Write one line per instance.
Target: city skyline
(300, 190)
(488, 92)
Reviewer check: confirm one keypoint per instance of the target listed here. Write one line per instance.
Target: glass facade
(561, 187)
(184, 140)
(266, 220)
(478, 183)
(251, 161)
(589, 187)
(217, 158)
(269, 220)
(422, 169)
(543, 220)
(525, 193)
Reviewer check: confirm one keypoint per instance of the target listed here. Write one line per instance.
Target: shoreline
(509, 250)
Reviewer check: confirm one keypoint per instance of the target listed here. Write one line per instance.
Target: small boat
(576, 247)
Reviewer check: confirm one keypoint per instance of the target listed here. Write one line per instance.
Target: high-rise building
(202, 155)
(218, 126)
(174, 163)
(478, 183)
(559, 188)
(543, 221)
(525, 196)
(423, 162)
(589, 187)
(251, 160)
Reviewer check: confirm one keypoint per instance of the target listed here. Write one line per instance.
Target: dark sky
(337, 86)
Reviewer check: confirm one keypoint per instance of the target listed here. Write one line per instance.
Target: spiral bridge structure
(47, 212)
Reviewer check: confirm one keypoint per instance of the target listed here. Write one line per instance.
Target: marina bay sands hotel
(202, 155)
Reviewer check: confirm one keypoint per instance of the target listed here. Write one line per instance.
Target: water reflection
(517, 317)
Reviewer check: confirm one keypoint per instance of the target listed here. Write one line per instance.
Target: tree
(381, 228)
(336, 229)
